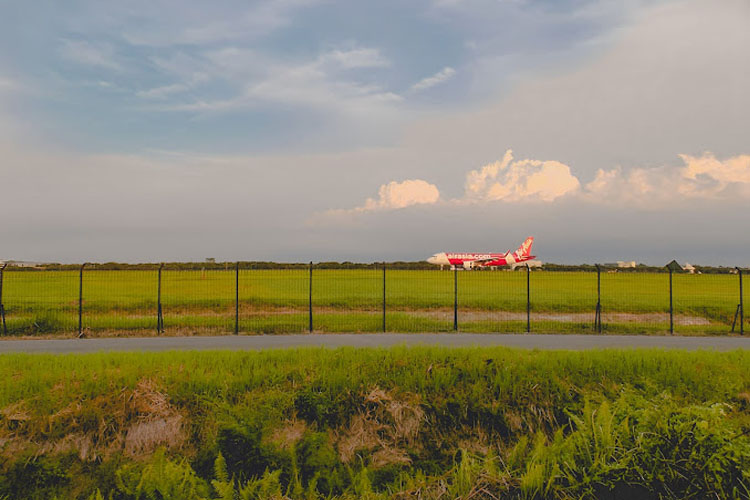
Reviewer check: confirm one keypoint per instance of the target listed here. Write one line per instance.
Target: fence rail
(245, 300)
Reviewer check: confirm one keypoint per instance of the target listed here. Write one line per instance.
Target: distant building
(210, 260)
(689, 268)
(21, 263)
(622, 264)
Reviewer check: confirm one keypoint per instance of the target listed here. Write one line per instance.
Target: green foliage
(240, 449)
(34, 478)
(319, 464)
(693, 450)
(223, 485)
(266, 487)
(160, 479)
(317, 423)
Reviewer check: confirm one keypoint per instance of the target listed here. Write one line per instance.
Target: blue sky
(139, 76)
(331, 130)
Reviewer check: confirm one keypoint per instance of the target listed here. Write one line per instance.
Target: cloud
(358, 58)
(392, 196)
(436, 79)
(90, 54)
(699, 178)
(510, 180)
(521, 181)
(321, 83)
(163, 92)
(403, 194)
(186, 25)
(6, 84)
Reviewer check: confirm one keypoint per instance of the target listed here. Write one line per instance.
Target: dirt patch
(15, 413)
(383, 429)
(144, 437)
(289, 434)
(135, 422)
(588, 317)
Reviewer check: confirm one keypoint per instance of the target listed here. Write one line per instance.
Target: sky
(326, 130)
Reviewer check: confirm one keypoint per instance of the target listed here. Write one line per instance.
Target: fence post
(528, 299)
(2, 306)
(455, 298)
(159, 315)
(598, 317)
(384, 330)
(671, 304)
(237, 298)
(742, 305)
(310, 298)
(80, 301)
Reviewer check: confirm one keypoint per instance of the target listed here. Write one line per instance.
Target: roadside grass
(376, 423)
(276, 301)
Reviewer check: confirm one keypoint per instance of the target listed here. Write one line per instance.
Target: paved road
(228, 342)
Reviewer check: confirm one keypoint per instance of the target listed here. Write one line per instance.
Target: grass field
(376, 423)
(276, 301)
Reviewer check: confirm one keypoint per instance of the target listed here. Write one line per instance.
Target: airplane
(478, 260)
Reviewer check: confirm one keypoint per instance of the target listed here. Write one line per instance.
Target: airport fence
(243, 299)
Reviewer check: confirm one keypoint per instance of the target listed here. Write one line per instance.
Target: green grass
(376, 423)
(352, 300)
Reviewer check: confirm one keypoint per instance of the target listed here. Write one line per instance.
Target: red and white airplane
(472, 260)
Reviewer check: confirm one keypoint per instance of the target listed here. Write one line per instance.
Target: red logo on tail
(524, 251)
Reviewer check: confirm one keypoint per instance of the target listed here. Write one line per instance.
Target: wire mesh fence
(272, 301)
(492, 301)
(40, 302)
(565, 302)
(119, 301)
(634, 302)
(244, 299)
(420, 300)
(348, 300)
(199, 301)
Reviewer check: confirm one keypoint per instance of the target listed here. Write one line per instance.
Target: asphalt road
(238, 343)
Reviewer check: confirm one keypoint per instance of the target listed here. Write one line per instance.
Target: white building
(689, 268)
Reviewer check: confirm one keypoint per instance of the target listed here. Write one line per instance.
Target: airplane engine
(468, 265)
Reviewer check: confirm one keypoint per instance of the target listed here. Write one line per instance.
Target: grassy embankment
(401, 423)
(276, 301)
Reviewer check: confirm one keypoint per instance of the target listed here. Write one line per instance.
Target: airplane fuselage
(463, 259)
(470, 260)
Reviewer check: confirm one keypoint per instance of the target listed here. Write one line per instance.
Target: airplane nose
(433, 259)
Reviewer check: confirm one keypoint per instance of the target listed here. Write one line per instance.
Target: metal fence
(241, 299)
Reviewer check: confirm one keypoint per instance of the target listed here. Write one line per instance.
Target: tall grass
(376, 423)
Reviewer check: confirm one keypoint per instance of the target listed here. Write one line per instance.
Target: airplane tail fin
(524, 251)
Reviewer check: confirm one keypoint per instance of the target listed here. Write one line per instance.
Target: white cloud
(439, 77)
(704, 177)
(317, 84)
(163, 92)
(520, 181)
(392, 196)
(357, 58)
(510, 180)
(403, 194)
(90, 54)
(322, 83)
(194, 26)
